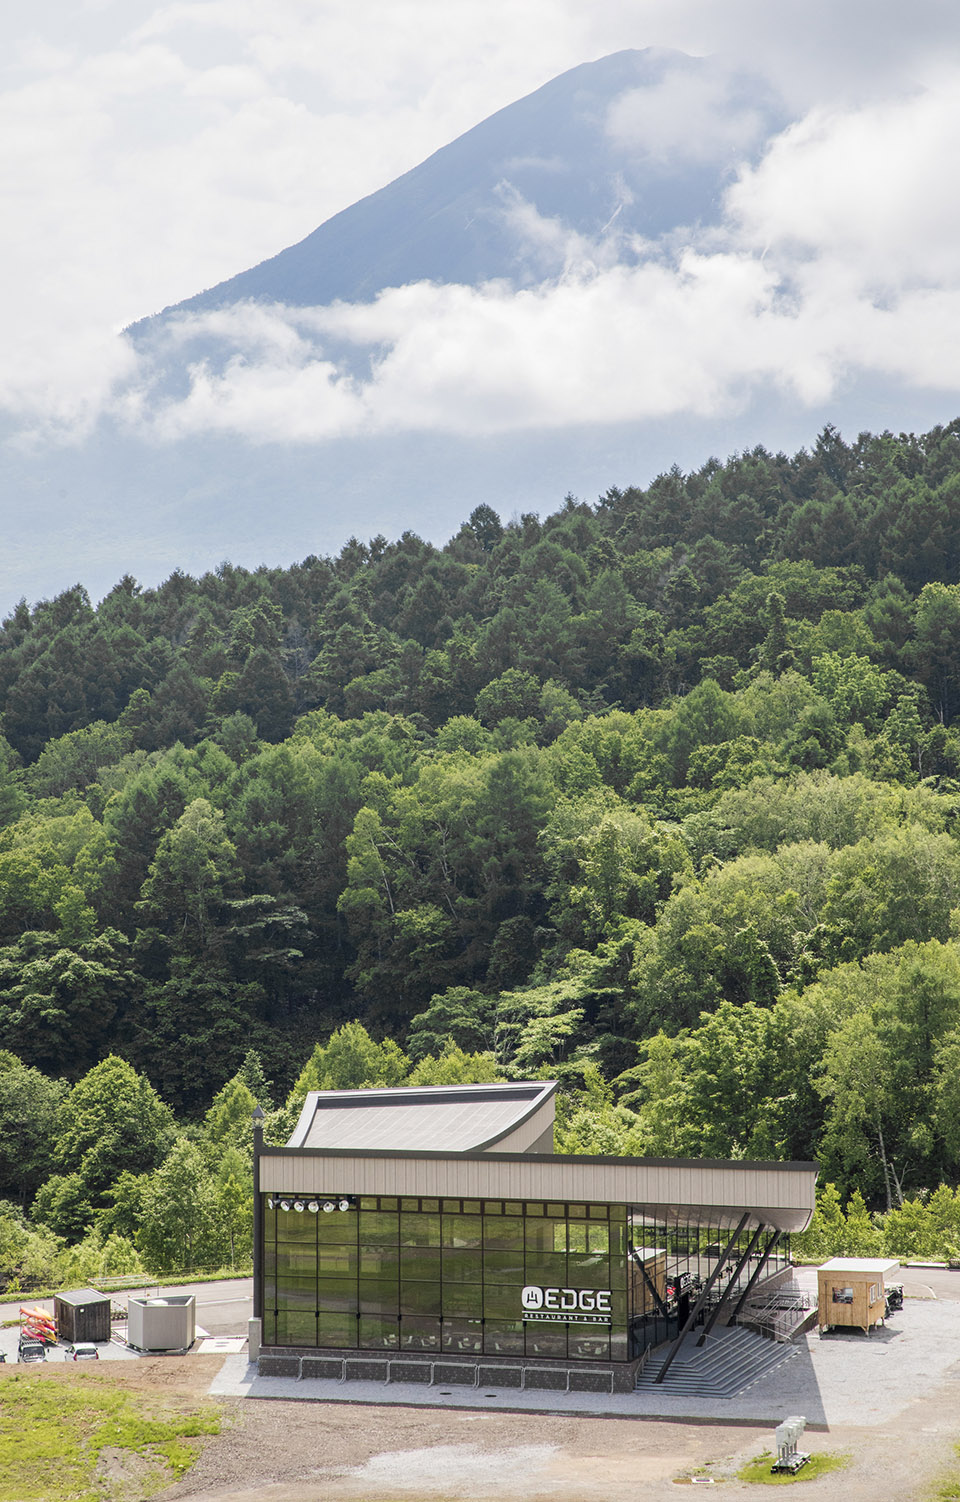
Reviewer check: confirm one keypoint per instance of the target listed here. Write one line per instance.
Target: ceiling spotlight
(328, 1205)
(271, 1204)
(313, 1206)
(298, 1206)
(344, 1204)
(284, 1204)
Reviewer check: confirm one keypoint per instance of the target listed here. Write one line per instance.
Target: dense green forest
(656, 796)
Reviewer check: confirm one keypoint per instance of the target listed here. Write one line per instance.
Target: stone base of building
(449, 1371)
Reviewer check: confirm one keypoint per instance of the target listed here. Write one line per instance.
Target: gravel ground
(296, 1451)
(304, 1452)
(890, 1403)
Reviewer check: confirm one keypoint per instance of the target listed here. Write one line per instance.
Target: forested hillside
(658, 796)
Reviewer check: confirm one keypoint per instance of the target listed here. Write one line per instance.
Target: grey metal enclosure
(82, 1316)
(162, 1324)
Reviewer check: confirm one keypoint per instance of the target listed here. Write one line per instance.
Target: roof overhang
(715, 1192)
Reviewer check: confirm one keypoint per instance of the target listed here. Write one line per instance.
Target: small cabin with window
(853, 1291)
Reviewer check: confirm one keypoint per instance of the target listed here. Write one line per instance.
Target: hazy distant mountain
(590, 152)
(622, 160)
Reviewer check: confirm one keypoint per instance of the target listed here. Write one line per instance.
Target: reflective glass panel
(378, 1229)
(463, 1298)
(546, 1340)
(296, 1328)
(505, 1234)
(501, 1301)
(418, 1334)
(462, 1335)
(539, 1235)
(379, 1262)
(294, 1227)
(338, 1228)
(503, 1337)
(333, 1260)
(588, 1342)
(336, 1294)
(420, 1298)
(378, 1334)
(549, 1271)
(378, 1297)
(503, 1267)
(462, 1230)
(419, 1230)
(420, 1262)
(337, 1330)
(461, 1266)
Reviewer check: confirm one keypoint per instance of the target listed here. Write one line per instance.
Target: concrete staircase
(732, 1360)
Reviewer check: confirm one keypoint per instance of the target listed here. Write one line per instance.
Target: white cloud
(701, 115)
(871, 188)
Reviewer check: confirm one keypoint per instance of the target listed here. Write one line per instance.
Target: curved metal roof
(435, 1118)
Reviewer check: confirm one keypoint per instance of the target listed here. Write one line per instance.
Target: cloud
(710, 114)
(868, 188)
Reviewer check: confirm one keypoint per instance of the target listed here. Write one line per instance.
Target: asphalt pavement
(223, 1309)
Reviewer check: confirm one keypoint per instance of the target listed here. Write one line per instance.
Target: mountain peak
(584, 156)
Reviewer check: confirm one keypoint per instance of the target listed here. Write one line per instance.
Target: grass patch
(758, 1470)
(947, 1488)
(58, 1439)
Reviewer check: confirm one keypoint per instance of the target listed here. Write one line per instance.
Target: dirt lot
(325, 1452)
(276, 1451)
(304, 1452)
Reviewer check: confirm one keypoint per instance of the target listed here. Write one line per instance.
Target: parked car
(31, 1350)
(83, 1351)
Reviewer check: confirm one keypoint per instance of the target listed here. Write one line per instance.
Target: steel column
(257, 1216)
(757, 1271)
(734, 1276)
(653, 1289)
(704, 1295)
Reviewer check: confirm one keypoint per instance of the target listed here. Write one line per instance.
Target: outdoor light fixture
(313, 1205)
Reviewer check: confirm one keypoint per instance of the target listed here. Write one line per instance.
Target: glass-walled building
(422, 1274)
(373, 1238)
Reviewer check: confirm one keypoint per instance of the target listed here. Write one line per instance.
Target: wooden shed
(852, 1291)
(82, 1316)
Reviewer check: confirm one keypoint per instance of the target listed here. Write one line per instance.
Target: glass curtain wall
(448, 1276)
(670, 1261)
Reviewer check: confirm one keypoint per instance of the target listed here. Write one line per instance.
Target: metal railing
(780, 1314)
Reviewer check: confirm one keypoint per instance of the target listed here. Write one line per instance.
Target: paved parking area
(844, 1378)
(223, 1309)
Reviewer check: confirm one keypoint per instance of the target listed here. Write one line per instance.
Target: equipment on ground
(788, 1435)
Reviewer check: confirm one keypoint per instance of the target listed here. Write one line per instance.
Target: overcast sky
(151, 150)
